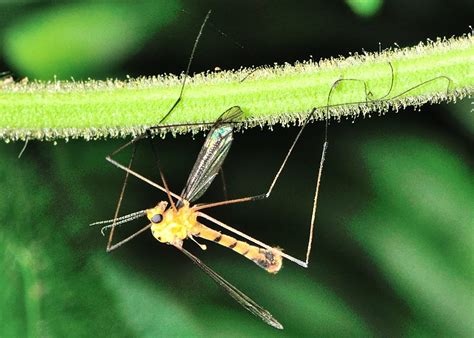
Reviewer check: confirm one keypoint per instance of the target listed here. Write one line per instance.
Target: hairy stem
(432, 72)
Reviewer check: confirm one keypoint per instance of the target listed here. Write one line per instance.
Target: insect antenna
(130, 216)
(118, 221)
(217, 29)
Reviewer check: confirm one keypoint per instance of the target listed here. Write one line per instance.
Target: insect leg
(134, 141)
(275, 179)
(188, 68)
(115, 246)
(305, 122)
(24, 147)
(119, 202)
(163, 180)
(141, 177)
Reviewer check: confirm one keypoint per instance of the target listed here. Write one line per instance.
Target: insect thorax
(175, 224)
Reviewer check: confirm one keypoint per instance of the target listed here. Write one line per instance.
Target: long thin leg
(119, 202)
(318, 181)
(188, 68)
(24, 147)
(141, 177)
(163, 180)
(311, 228)
(250, 238)
(275, 179)
(315, 202)
(136, 139)
(129, 171)
(115, 246)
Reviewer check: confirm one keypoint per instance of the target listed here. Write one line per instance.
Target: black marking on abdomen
(267, 261)
(262, 263)
(233, 245)
(270, 256)
(218, 238)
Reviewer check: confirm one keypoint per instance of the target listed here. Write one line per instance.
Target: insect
(177, 219)
(171, 222)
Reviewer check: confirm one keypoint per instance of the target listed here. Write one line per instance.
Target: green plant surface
(280, 94)
(392, 253)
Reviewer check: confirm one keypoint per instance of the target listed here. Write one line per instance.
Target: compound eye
(157, 218)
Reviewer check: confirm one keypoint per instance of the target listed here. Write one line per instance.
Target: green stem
(269, 95)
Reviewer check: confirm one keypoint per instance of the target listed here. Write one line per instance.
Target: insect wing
(235, 293)
(212, 155)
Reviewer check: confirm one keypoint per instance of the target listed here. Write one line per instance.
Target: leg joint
(260, 197)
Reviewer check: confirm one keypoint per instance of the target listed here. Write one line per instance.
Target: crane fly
(171, 222)
(176, 219)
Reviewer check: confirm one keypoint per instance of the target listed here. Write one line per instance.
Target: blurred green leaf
(178, 304)
(20, 284)
(300, 303)
(365, 8)
(48, 286)
(419, 229)
(463, 113)
(79, 39)
(145, 306)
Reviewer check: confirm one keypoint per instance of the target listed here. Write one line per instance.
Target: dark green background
(393, 253)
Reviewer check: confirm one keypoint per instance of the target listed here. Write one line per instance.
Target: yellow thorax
(170, 226)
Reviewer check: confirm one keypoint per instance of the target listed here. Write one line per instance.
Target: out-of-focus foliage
(48, 287)
(365, 8)
(83, 39)
(394, 239)
(464, 114)
(419, 230)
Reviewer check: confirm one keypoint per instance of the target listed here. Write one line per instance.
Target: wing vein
(235, 293)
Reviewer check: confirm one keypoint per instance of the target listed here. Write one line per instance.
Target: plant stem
(432, 72)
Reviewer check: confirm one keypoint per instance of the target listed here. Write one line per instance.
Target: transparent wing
(235, 293)
(212, 155)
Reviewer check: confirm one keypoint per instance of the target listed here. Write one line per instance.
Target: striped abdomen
(269, 260)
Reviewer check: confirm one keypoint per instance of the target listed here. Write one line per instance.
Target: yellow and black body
(173, 225)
